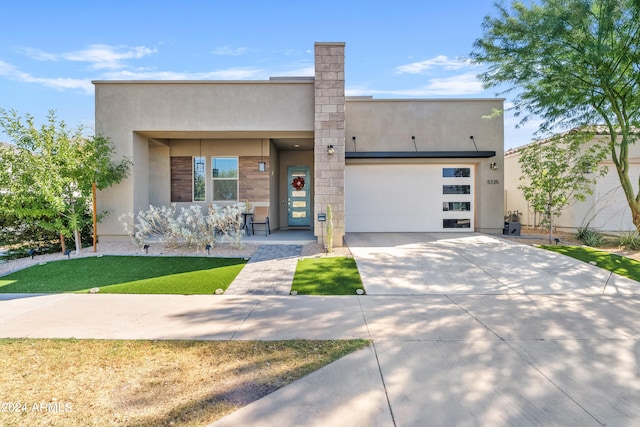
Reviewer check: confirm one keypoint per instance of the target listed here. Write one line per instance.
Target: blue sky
(50, 51)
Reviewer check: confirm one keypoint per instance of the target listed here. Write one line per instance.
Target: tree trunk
(76, 235)
(550, 219)
(635, 214)
(62, 245)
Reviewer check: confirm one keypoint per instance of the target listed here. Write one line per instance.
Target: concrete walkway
(270, 271)
(548, 342)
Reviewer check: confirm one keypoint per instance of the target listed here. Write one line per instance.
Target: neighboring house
(298, 145)
(605, 210)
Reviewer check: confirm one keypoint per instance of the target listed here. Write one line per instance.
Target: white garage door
(409, 198)
(612, 212)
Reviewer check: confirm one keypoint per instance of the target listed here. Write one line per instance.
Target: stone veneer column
(329, 130)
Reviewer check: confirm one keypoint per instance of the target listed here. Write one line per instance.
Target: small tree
(46, 176)
(572, 63)
(557, 172)
(329, 229)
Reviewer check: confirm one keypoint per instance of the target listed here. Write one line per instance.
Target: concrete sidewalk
(467, 330)
(435, 360)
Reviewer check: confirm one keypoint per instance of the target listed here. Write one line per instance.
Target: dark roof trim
(418, 154)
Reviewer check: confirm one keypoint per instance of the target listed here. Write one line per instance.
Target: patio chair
(260, 217)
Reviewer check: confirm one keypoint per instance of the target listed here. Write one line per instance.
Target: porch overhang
(419, 154)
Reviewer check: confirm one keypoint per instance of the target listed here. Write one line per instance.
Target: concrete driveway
(469, 330)
(472, 263)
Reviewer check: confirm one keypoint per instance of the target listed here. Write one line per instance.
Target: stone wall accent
(181, 179)
(329, 130)
(254, 185)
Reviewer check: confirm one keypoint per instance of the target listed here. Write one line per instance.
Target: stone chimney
(329, 132)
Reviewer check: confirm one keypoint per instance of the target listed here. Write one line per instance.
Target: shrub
(590, 237)
(191, 226)
(629, 240)
(18, 236)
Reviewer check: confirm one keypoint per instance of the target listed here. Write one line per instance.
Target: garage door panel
(403, 198)
(613, 213)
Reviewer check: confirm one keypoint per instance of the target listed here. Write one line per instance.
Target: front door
(299, 198)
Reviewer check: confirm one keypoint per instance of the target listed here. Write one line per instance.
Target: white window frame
(204, 177)
(214, 179)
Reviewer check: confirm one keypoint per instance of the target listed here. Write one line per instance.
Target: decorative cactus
(329, 229)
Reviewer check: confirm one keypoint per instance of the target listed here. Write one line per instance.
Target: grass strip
(148, 383)
(126, 274)
(327, 276)
(615, 263)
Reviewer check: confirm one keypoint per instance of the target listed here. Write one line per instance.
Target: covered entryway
(409, 198)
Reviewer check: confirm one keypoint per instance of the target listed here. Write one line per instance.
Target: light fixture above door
(262, 165)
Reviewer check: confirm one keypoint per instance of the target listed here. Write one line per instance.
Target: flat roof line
(277, 80)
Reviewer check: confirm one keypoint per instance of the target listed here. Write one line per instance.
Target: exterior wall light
(262, 165)
(493, 166)
(330, 150)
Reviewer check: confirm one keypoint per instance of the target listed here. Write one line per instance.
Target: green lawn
(327, 276)
(126, 275)
(623, 266)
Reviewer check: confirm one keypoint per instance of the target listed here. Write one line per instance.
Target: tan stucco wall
(577, 214)
(438, 125)
(274, 196)
(133, 113)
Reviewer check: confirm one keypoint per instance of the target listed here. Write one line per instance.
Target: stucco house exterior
(605, 210)
(297, 145)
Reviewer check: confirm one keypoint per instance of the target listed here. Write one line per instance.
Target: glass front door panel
(299, 212)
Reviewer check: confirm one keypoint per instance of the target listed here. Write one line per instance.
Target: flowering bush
(157, 222)
(190, 227)
(227, 223)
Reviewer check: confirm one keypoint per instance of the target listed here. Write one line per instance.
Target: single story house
(297, 145)
(605, 210)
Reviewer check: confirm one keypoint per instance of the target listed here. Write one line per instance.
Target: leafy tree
(573, 63)
(558, 171)
(46, 177)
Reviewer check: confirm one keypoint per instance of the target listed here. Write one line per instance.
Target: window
(456, 206)
(456, 172)
(456, 189)
(225, 178)
(199, 193)
(456, 223)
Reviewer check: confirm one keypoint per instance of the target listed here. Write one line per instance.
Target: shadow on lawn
(84, 273)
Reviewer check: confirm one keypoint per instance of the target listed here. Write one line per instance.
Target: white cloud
(461, 84)
(12, 73)
(228, 51)
(39, 55)
(227, 74)
(101, 56)
(439, 62)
